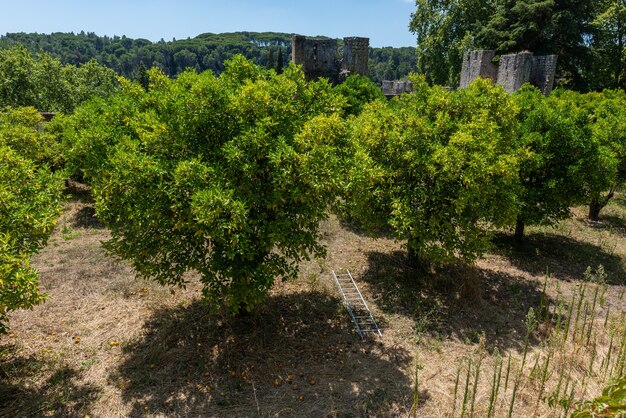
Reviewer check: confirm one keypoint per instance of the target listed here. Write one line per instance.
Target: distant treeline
(204, 52)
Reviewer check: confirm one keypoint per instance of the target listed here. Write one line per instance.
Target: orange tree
(225, 176)
(607, 118)
(560, 153)
(437, 167)
(30, 201)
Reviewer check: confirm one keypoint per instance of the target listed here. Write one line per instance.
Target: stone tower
(355, 55)
(318, 57)
(542, 73)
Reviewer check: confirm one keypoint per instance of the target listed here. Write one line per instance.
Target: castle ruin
(320, 57)
(396, 88)
(513, 71)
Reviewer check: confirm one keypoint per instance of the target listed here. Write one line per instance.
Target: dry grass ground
(107, 344)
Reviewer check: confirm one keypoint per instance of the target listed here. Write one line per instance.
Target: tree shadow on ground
(620, 199)
(561, 256)
(458, 301)
(57, 396)
(612, 223)
(85, 216)
(296, 356)
(353, 225)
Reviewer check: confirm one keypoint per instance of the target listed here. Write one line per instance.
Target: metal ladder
(355, 304)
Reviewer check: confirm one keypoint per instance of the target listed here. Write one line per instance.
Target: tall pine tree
(270, 58)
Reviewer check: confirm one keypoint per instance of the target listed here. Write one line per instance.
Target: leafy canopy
(358, 91)
(560, 152)
(437, 167)
(607, 120)
(588, 36)
(43, 82)
(224, 176)
(30, 201)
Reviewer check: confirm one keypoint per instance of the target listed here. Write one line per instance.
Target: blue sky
(385, 22)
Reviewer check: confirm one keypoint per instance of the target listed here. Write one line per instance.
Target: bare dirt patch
(107, 344)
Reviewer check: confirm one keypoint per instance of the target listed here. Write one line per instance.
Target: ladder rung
(355, 304)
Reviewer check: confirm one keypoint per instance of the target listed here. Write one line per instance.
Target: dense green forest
(208, 51)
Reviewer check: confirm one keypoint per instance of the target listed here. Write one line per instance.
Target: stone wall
(396, 88)
(320, 57)
(355, 56)
(542, 74)
(513, 71)
(478, 64)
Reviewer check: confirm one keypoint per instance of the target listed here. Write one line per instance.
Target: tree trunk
(519, 230)
(594, 209)
(413, 255)
(597, 204)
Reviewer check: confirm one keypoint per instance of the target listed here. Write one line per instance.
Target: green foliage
(280, 61)
(358, 91)
(588, 36)
(612, 403)
(30, 201)
(22, 130)
(389, 63)
(607, 112)
(228, 177)
(43, 82)
(560, 151)
(438, 167)
(207, 51)
(609, 41)
(445, 29)
(558, 27)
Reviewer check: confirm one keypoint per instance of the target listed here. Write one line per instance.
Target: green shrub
(228, 177)
(358, 91)
(438, 167)
(612, 403)
(559, 152)
(30, 199)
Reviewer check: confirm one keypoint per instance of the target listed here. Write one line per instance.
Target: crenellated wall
(396, 88)
(513, 71)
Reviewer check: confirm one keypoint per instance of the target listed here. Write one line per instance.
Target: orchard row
(230, 176)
